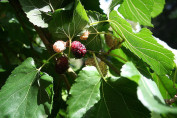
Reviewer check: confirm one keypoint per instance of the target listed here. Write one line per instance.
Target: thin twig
(68, 86)
(99, 22)
(43, 38)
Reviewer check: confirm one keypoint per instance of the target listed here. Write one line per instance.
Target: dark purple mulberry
(61, 65)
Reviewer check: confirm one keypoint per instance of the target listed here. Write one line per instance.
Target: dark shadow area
(165, 25)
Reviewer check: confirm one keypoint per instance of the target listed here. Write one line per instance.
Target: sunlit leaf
(34, 10)
(157, 7)
(165, 86)
(113, 4)
(143, 45)
(147, 91)
(137, 10)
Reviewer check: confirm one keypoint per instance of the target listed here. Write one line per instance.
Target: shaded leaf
(19, 97)
(67, 24)
(148, 92)
(143, 45)
(84, 93)
(94, 41)
(129, 56)
(118, 99)
(46, 89)
(93, 5)
(137, 10)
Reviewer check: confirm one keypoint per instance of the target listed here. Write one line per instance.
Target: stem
(51, 7)
(68, 86)
(100, 33)
(118, 57)
(103, 21)
(21, 16)
(43, 38)
(47, 61)
(69, 48)
(97, 66)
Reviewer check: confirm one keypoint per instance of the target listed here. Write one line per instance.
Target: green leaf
(19, 97)
(118, 98)
(157, 7)
(46, 89)
(144, 45)
(165, 86)
(93, 5)
(129, 56)
(113, 4)
(94, 41)
(137, 10)
(35, 9)
(155, 115)
(148, 92)
(84, 93)
(67, 24)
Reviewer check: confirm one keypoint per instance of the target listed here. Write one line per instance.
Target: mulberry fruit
(85, 35)
(61, 65)
(59, 46)
(78, 49)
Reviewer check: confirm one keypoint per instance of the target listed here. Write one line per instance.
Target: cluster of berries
(77, 48)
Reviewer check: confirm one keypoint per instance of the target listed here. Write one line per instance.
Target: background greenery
(141, 73)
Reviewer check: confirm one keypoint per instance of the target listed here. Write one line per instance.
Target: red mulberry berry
(78, 49)
(61, 65)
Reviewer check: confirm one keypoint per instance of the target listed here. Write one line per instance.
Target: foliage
(133, 78)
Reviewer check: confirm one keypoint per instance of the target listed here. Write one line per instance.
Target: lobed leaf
(143, 45)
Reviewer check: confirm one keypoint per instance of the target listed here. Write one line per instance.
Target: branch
(21, 16)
